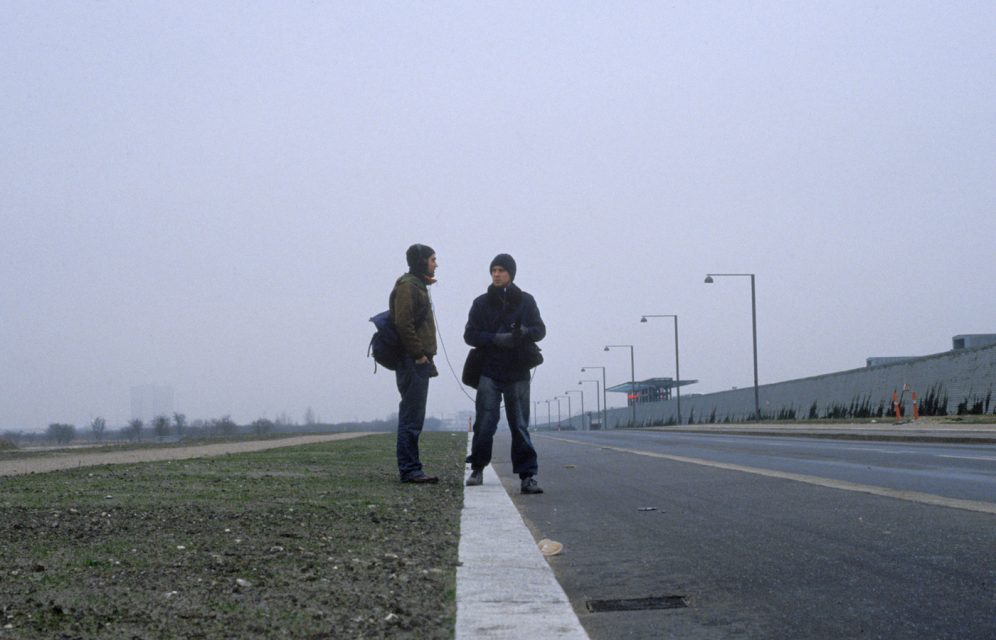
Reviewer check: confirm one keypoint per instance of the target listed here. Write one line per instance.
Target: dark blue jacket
(508, 310)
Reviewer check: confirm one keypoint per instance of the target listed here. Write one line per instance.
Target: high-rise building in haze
(151, 400)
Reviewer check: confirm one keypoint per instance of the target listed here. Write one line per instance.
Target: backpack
(385, 345)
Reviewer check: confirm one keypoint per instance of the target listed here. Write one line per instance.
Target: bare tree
(134, 429)
(309, 417)
(224, 425)
(61, 433)
(160, 426)
(262, 426)
(97, 426)
(180, 422)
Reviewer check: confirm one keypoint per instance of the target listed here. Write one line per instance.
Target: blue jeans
(413, 384)
(488, 404)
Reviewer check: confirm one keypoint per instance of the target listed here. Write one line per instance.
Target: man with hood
(502, 323)
(411, 313)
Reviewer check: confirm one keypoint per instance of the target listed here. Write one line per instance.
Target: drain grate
(637, 604)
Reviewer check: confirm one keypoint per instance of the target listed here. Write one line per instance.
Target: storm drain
(637, 604)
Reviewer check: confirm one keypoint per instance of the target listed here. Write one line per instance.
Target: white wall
(963, 376)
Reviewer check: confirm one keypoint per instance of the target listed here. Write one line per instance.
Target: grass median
(316, 541)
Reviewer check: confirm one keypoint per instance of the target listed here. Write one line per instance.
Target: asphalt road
(764, 537)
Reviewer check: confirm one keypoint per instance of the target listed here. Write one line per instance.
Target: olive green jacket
(412, 316)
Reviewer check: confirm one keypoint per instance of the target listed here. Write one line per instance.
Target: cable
(446, 355)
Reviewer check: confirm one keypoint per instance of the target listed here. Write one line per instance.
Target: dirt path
(73, 460)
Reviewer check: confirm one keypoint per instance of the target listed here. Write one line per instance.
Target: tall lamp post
(570, 421)
(632, 376)
(557, 398)
(677, 370)
(570, 391)
(753, 315)
(605, 404)
(549, 416)
(598, 398)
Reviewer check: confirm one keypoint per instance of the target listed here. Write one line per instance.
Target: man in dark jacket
(411, 313)
(505, 324)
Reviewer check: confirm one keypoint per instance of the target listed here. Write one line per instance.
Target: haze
(217, 196)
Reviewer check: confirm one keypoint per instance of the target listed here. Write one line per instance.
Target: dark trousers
(488, 404)
(413, 384)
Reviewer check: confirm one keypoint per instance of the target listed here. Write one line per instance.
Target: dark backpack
(385, 346)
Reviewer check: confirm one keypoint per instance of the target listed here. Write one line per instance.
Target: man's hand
(422, 360)
(504, 340)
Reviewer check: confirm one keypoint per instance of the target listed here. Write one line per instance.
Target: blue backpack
(385, 346)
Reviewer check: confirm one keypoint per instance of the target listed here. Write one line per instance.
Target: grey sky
(217, 196)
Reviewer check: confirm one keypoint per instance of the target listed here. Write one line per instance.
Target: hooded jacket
(504, 311)
(412, 316)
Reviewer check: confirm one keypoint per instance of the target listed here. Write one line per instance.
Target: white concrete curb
(505, 587)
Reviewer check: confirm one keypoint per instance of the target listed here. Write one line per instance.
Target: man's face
(500, 277)
(430, 266)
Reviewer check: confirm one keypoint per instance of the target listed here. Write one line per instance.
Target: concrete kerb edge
(505, 587)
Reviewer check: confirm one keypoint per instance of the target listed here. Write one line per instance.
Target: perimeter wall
(949, 383)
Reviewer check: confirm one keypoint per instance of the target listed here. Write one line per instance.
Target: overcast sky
(216, 196)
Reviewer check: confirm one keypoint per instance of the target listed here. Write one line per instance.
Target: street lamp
(605, 404)
(557, 398)
(753, 315)
(632, 376)
(570, 391)
(549, 417)
(598, 398)
(570, 422)
(677, 371)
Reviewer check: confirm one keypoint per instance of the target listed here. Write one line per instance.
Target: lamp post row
(753, 316)
(569, 392)
(605, 405)
(598, 397)
(677, 369)
(632, 377)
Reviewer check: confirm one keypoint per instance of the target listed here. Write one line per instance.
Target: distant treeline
(177, 428)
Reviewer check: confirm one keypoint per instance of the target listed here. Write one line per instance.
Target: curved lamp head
(643, 319)
(708, 280)
(605, 349)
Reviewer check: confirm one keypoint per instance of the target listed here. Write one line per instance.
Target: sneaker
(529, 485)
(476, 478)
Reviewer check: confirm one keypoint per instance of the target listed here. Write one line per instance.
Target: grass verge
(316, 541)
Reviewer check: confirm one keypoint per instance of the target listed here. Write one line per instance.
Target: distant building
(973, 340)
(151, 400)
(650, 390)
(958, 343)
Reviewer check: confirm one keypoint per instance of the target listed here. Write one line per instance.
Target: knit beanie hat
(417, 256)
(506, 262)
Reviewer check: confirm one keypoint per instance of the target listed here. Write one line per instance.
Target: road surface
(766, 537)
